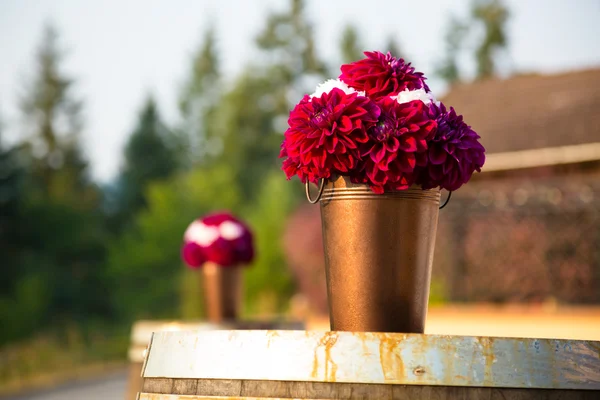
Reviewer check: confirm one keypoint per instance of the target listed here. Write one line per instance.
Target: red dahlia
(325, 134)
(381, 75)
(395, 143)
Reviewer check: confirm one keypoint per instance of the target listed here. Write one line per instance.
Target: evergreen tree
(350, 46)
(288, 43)
(149, 156)
(493, 15)
(198, 101)
(454, 37)
(10, 192)
(57, 230)
(53, 122)
(252, 116)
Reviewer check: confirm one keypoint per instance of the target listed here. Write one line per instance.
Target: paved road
(109, 387)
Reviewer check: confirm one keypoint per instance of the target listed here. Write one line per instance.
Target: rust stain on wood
(487, 351)
(363, 342)
(449, 367)
(315, 366)
(271, 334)
(327, 342)
(389, 358)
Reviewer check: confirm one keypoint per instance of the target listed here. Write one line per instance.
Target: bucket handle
(321, 186)
(447, 200)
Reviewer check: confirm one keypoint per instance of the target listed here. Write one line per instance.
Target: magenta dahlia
(395, 141)
(219, 238)
(381, 75)
(454, 152)
(325, 134)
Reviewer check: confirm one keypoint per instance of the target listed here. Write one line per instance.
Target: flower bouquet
(380, 147)
(219, 244)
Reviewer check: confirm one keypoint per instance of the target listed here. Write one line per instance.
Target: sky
(120, 51)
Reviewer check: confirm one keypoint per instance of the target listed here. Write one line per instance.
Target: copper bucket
(222, 292)
(378, 256)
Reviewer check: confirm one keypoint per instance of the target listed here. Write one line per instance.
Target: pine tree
(350, 46)
(61, 230)
(15, 297)
(288, 42)
(198, 101)
(149, 156)
(53, 122)
(10, 192)
(253, 115)
(493, 15)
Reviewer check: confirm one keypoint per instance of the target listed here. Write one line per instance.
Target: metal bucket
(378, 256)
(222, 292)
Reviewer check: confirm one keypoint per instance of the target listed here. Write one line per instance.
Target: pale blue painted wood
(387, 358)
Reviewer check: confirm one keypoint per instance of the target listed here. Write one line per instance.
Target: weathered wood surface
(180, 389)
(374, 358)
(420, 394)
(141, 333)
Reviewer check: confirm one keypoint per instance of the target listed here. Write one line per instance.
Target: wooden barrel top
(141, 332)
(181, 363)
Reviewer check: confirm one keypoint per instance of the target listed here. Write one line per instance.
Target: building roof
(532, 111)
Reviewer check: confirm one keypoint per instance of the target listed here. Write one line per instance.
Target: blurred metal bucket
(378, 256)
(222, 292)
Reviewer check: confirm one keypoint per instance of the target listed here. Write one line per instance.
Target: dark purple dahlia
(454, 152)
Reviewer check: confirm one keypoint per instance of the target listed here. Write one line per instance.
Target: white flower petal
(230, 230)
(201, 234)
(409, 95)
(330, 84)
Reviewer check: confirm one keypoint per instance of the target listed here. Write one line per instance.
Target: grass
(52, 358)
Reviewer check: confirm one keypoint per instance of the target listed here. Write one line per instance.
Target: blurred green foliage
(268, 284)
(53, 232)
(49, 357)
(150, 155)
(144, 263)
